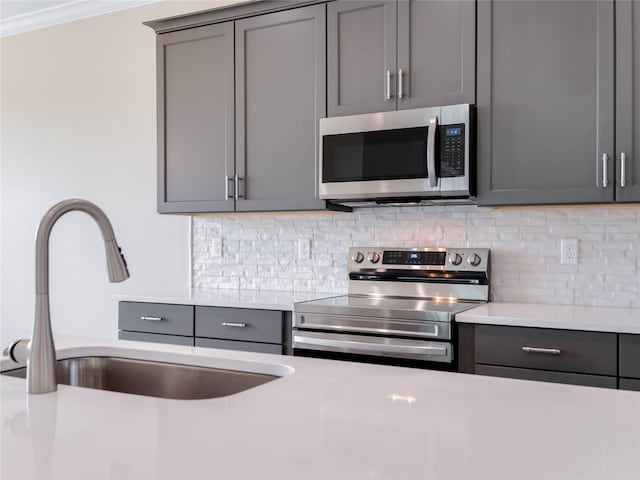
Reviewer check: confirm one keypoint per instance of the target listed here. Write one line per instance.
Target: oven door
(413, 349)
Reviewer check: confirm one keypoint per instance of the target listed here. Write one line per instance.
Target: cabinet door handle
(400, 91)
(236, 181)
(550, 351)
(151, 319)
(623, 169)
(431, 152)
(388, 93)
(227, 179)
(233, 324)
(605, 179)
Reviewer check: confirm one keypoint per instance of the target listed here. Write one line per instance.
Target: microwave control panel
(452, 140)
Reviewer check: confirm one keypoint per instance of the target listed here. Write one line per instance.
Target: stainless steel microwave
(420, 156)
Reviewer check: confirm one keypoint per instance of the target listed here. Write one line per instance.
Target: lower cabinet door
(629, 384)
(155, 338)
(236, 345)
(547, 376)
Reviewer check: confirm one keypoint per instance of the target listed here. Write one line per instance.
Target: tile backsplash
(261, 251)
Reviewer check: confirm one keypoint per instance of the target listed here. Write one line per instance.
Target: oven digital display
(398, 257)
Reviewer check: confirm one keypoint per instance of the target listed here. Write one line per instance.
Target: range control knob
(374, 257)
(358, 257)
(474, 260)
(455, 259)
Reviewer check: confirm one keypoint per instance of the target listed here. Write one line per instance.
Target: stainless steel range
(400, 308)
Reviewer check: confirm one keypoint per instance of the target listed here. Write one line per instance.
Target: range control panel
(436, 258)
(452, 148)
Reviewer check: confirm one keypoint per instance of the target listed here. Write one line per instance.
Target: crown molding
(67, 12)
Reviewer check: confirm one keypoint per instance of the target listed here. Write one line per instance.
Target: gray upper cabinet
(545, 98)
(238, 109)
(195, 119)
(388, 55)
(628, 101)
(280, 95)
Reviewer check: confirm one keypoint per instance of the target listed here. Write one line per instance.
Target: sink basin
(154, 379)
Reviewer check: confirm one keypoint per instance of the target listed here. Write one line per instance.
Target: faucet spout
(41, 362)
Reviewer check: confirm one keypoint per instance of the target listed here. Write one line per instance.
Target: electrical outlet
(216, 247)
(569, 251)
(304, 248)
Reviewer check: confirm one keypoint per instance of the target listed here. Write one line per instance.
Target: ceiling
(18, 16)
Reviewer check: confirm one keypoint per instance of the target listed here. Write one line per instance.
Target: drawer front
(237, 345)
(579, 352)
(156, 318)
(630, 384)
(155, 338)
(553, 377)
(240, 324)
(630, 356)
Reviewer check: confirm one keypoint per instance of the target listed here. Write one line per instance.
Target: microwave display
(451, 150)
(375, 155)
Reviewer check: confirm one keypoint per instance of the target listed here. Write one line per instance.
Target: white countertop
(259, 299)
(571, 317)
(326, 420)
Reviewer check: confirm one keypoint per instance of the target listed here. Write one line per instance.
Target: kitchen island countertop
(326, 420)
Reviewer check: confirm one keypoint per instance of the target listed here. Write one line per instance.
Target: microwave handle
(431, 152)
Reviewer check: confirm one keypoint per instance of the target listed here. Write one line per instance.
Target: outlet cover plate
(569, 251)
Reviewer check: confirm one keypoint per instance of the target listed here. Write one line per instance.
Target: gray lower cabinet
(561, 356)
(241, 329)
(253, 330)
(238, 110)
(545, 102)
(629, 362)
(388, 55)
(156, 322)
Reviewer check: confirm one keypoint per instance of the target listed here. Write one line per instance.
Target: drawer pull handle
(550, 351)
(233, 324)
(151, 319)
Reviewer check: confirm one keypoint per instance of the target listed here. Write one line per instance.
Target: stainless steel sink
(154, 379)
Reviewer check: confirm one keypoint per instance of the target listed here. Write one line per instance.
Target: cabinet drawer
(237, 345)
(240, 324)
(543, 376)
(155, 338)
(156, 318)
(580, 352)
(630, 356)
(630, 384)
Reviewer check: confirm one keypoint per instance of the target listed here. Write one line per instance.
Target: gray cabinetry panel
(629, 384)
(195, 119)
(545, 98)
(237, 345)
(629, 356)
(436, 52)
(280, 95)
(155, 338)
(240, 324)
(156, 318)
(361, 43)
(544, 376)
(628, 100)
(580, 352)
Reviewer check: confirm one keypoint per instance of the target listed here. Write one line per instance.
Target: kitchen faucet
(39, 353)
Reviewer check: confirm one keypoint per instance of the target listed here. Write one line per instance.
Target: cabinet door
(545, 102)
(195, 119)
(361, 57)
(436, 53)
(281, 95)
(628, 100)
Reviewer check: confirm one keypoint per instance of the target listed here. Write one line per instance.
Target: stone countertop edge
(566, 317)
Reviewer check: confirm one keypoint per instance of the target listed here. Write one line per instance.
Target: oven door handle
(434, 350)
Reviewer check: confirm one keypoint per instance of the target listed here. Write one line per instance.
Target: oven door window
(376, 155)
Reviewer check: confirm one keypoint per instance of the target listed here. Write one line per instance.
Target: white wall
(260, 251)
(78, 113)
